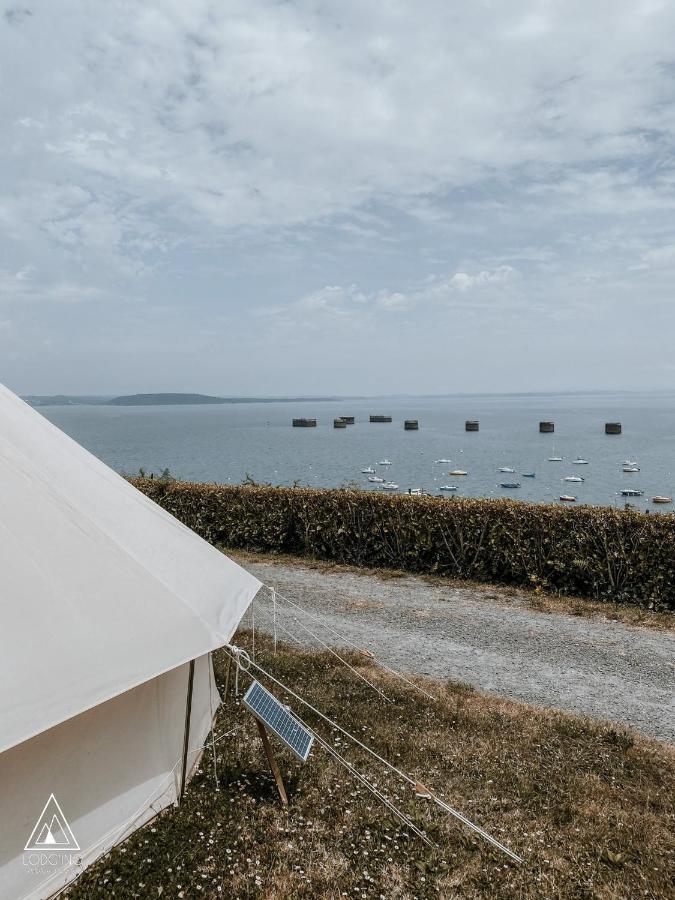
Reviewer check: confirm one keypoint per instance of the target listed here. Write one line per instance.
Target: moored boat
(631, 469)
(528, 474)
(443, 461)
(510, 484)
(631, 492)
(568, 498)
(458, 472)
(369, 470)
(389, 486)
(580, 461)
(506, 469)
(661, 499)
(376, 479)
(575, 478)
(448, 487)
(384, 462)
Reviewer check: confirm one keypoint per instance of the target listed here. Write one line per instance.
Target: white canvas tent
(104, 600)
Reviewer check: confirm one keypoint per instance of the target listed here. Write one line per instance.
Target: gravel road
(597, 668)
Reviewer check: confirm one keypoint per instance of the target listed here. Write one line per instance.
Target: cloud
(660, 256)
(256, 112)
(347, 304)
(463, 281)
(222, 160)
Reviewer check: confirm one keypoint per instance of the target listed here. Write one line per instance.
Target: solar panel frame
(275, 716)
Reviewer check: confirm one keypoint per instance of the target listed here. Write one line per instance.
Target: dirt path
(597, 668)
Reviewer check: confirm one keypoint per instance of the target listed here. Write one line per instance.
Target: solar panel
(278, 719)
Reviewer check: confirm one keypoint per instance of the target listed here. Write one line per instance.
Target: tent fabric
(100, 589)
(111, 770)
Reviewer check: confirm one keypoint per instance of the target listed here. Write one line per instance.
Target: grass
(536, 598)
(590, 807)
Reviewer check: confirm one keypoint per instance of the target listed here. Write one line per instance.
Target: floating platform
(411, 425)
(339, 423)
(348, 420)
(612, 427)
(304, 423)
(380, 418)
(471, 425)
(546, 427)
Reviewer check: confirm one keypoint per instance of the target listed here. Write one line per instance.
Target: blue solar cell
(279, 720)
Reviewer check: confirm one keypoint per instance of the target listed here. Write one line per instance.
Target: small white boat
(529, 474)
(376, 479)
(415, 492)
(443, 461)
(507, 469)
(448, 487)
(369, 470)
(568, 498)
(579, 461)
(510, 484)
(555, 458)
(389, 486)
(631, 469)
(629, 462)
(458, 472)
(660, 499)
(384, 462)
(575, 478)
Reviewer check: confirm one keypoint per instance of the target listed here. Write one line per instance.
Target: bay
(231, 442)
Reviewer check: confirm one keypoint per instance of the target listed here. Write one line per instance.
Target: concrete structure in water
(547, 427)
(339, 423)
(411, 424)
(471, 425)
(612, 427)
(304, 423)
(348, 420)
(380, 418)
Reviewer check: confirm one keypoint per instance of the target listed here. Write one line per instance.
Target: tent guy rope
(421, 790)
(342, 637)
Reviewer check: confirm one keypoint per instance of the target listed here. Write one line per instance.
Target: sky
(253, 197)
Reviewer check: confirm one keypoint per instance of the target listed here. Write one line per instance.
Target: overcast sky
(346, 197)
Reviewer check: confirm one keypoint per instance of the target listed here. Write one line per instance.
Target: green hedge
(622, 555)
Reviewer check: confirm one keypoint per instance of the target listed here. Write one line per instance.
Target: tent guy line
(243, 660)
(330, 649)
(342, 637)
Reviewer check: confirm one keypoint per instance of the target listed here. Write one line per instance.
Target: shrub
(600, 552)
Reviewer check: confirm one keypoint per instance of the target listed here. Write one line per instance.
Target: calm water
(225, 443)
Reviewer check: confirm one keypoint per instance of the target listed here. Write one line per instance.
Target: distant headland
(163, 399)
(200, 399)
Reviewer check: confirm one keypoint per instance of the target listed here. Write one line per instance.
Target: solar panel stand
(271, 759)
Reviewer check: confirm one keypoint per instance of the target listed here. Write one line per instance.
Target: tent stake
(186, 734)
(269, 753)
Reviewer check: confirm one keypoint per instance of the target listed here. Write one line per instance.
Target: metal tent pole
(186, 733)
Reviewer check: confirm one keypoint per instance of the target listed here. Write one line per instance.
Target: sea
(231, 443)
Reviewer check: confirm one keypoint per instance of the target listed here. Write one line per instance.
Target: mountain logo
(52, 831)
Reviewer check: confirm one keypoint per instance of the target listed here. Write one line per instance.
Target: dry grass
(535, 599)
(590, 807)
